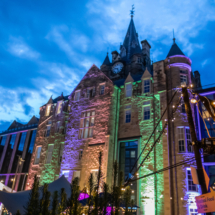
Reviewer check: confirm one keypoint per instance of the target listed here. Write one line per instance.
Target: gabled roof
(33, 120)
(106, 61)
(131, 42)
(15, 124)
(129, 78)
(175, 50)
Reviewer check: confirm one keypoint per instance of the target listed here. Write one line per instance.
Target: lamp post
(20, 160)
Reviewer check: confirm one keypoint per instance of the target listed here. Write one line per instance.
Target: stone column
(4, 151)
(14, 152)
(27, 140)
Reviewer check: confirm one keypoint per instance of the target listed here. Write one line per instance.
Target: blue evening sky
(47, 46)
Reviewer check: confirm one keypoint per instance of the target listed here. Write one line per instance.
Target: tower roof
(175, 50)
(106, 61)
(131, 42)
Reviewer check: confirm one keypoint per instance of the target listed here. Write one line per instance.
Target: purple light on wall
(83, 196)
(181, 65)
(208, 93)
(182, 57)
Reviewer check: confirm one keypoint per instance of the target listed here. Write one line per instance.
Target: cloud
(204, 62)
(153, 20)
(17, 47)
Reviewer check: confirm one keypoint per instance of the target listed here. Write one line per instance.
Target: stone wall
(48, 172)
(103, 129)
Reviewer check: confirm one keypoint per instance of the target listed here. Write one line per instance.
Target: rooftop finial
(132, 11)
(173, 37)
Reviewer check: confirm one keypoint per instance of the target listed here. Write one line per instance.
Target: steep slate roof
(175, 50)
(131, 42)
(107, 60)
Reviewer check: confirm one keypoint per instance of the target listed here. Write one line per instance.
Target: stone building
(115, 109)
(17, 140)
(47, 155)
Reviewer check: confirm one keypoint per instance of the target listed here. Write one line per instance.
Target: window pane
(92, 121)
(102, 89)
(93, 113)
(85, 132)
(128, 90)
(3, 140)
(37, 158)
(88, 113)
(86, 122)
(91, 132)
(49, 153)
(146, 113)
(146, 86)
(82, 123)
(133, 154)
(127, 116)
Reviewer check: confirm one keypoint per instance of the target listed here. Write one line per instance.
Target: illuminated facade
(114, 109)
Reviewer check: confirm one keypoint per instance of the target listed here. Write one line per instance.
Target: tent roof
(16, 201)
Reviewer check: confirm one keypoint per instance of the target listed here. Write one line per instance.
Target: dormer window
(48, 109)
(59, 107)
(146, 86)
(77, 95)
(128, 90)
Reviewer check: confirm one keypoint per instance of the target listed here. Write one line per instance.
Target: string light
(173, 106)
(193, 101)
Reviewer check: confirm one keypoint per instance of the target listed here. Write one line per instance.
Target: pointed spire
(107, 60)
(50, 100)
(173, 37)
(175, 50)
(131, 43)
(132, 11)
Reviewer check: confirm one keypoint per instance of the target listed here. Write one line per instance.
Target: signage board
(206, 202)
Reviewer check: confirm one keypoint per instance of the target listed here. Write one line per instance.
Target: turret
(177, 67)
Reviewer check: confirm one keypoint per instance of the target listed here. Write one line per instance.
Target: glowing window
(181, 142)
(190, 185)
(86, 124)
(77, 95)
(48, 109)
(193, 211)
(184, 139)
(66, 174)
(59, 107)
(49, 153)
(128, 90)
(38, 152)
(188, 140)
